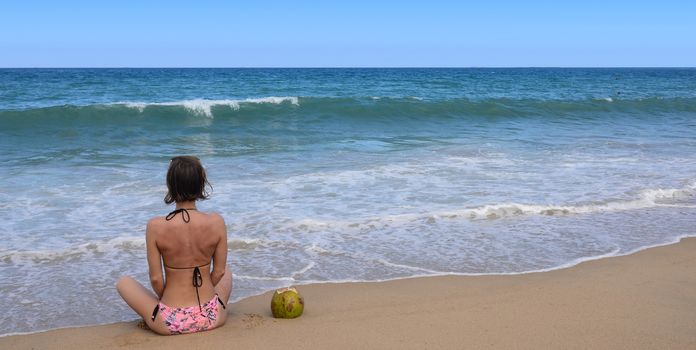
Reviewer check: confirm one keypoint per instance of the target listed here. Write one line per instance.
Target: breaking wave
(360, 107)
(673, 197)
(204, 107)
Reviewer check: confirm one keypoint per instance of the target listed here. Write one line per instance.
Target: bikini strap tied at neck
(184, 214)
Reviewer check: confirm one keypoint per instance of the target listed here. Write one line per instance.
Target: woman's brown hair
(186, 180)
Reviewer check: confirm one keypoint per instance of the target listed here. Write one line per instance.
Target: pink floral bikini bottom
(190, 319)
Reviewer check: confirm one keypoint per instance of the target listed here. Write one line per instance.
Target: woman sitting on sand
(190, 298)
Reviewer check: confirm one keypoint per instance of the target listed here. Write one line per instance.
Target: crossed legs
(143, 301)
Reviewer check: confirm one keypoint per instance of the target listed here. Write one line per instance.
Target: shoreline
(378, 306)
(567, 265)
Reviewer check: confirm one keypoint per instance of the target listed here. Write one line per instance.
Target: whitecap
(203, 107)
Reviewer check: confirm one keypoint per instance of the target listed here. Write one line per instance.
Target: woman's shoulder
(214, 222)
(155, 222)
(214, 218)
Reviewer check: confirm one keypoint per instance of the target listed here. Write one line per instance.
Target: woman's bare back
(184, 245)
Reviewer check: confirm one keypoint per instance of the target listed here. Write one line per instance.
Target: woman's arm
(154, 261)
(220, 255)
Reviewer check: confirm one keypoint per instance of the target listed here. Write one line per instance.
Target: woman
(190, 297)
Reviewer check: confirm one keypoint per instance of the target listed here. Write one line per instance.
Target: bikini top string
(184, 214)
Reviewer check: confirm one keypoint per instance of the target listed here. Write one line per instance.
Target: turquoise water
(335, 174)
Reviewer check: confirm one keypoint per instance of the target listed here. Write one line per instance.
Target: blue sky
(348, 34)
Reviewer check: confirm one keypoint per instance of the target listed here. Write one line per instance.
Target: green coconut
(287, 303)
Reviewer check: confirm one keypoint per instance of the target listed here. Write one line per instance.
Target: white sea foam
(115, 245)
(649, 198)
(645, 199)
(656, 195)
(304, 269)
(258, 278)
(409, 267)
(88, 248)
(315, 249)
(247, 243)
(204, 107)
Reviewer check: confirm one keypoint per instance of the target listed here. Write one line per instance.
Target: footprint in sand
(133, 338)
(252, 320)
(143, 325)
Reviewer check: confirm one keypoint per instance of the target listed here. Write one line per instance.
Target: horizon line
(350, 67)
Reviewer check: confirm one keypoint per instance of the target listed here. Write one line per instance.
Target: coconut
(287, 303)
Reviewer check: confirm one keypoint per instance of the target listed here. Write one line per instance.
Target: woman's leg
(141, 300)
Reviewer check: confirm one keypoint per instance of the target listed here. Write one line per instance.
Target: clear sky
(354, 33)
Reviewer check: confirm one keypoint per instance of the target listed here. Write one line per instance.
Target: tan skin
(181, 244)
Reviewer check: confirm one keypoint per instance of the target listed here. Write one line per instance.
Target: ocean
(335, 175)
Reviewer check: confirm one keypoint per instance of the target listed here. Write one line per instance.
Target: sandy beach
(428, 175)
(646, 300)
